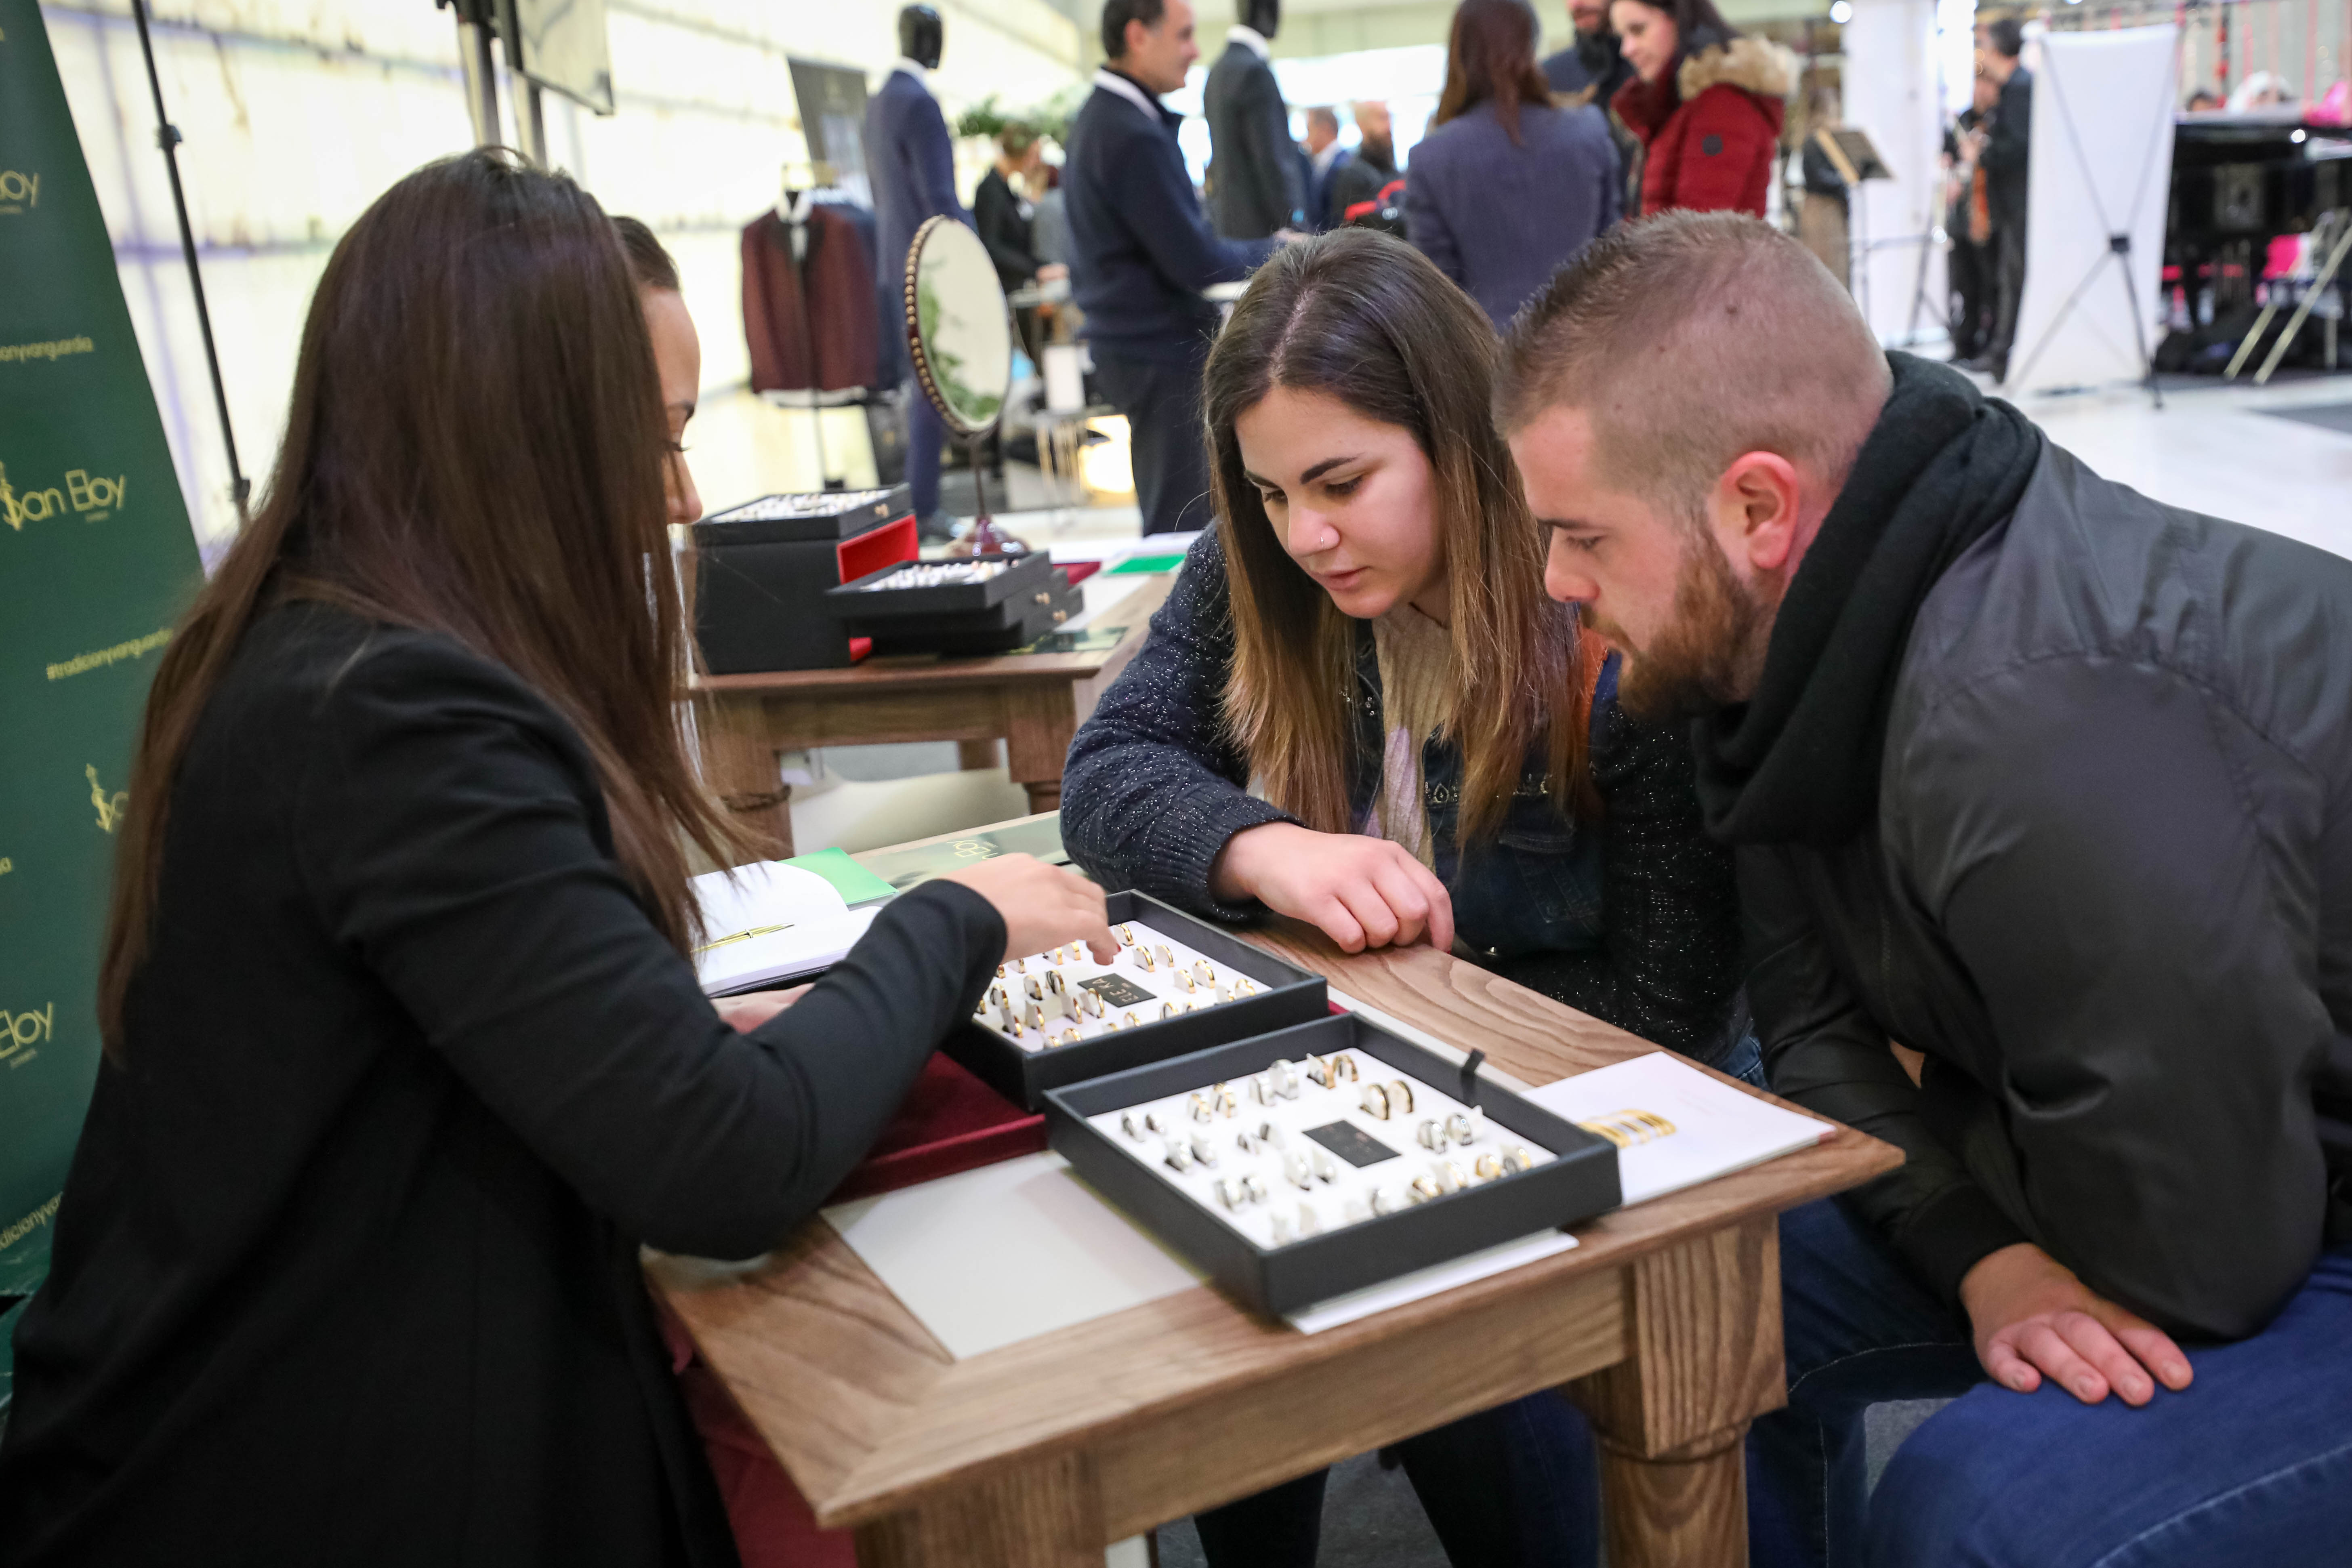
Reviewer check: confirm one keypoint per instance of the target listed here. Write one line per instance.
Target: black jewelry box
(762, 570)
(1291, 996)
(1578, 1182)
(1014, 624)
(874, 598)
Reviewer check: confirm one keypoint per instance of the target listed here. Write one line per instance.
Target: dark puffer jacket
(1711, 132)
(2109, 894)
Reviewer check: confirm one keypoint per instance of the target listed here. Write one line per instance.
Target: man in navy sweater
(1142, 252)
(912, 165)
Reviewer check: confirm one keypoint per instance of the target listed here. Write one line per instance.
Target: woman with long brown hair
(1707, 102)
(405, 1056)
(1508, 186)
(1358, 708)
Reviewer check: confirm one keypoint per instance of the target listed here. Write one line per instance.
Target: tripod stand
(2119, 237)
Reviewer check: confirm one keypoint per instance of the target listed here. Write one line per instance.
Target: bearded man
(2045, 789)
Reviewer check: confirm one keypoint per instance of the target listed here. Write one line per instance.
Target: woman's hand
(1363, 892)
(747, 1013)
(1043, 905)
(2033, 1318)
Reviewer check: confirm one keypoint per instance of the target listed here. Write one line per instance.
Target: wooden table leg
(975, 756)
(1040, 719)
(1703, 1328)
(1046, 1516)
(740, 764)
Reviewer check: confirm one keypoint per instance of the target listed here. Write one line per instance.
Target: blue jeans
(1515, 1487)
(2252, 1464)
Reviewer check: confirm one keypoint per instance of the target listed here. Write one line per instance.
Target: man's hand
(2032, 1317)
(1042, 906)
(1052, 272)
(1363, 892)
(745, 1014)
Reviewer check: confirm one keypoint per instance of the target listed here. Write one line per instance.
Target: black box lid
(823, 514)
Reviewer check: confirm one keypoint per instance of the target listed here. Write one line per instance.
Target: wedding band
(1168, 1009)
(1309, 1222)
(1199, 1109)
(1452, 1178)
(1343, 1066)
(1143, 960)
(1376, 1102)
(1326, 1169)
(1227, 1101)
(1432, 1136)
(1055, 983)
(1033, 1015)
(1204, 972)
(1232, 1193)
(1166, 957)
(1152, 1121)
(1126, 934)
(1128, 1020)
(1466, 1126)
(1202, 1149)
(1381, 1203)
(1424, 1188)
(1281, 1229)
(1020, 967)
(1518, 1160)
(1284, 1080)
(1318, 1069)
(1250, 1142)
(1180, 1155)
(1400, 1096)
(1488, 1167)
(1299, 1171)
(1131, 1126)
(1254, 1187)
(1090, 1004)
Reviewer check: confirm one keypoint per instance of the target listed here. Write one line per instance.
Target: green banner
(97, 561)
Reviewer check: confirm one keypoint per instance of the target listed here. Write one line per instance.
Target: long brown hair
(1366, 319)
(1491, 53)
(474, 447)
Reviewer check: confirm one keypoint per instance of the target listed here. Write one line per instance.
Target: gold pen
(744, 936)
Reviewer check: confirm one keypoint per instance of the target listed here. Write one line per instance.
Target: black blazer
(347, 1269)
(1003, 220)
(1257, 178)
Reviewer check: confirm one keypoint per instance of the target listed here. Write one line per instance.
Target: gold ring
(1344, 1066)
(1401, 1096)
(1519, 1159)
(1143, 960)
(1488, 1167)
(1126, 935)
(1424, 1188)
(1198, 1107)
(1376, 1102)
(1226, 1100)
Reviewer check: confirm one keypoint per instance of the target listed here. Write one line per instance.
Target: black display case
(1290, 995)
(887, 594)
(762, 570)
(1578, 1182)
(1029, 598)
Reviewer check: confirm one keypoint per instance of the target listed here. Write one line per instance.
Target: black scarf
(1799, 762)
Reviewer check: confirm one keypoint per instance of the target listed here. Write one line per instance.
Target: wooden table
(1034, 702)
(1663, 1325)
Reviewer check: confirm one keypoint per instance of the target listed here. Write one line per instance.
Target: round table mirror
(959, 326)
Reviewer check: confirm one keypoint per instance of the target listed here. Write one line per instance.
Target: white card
(1716, 1128)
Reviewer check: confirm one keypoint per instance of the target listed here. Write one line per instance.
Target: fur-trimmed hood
(1758, 65)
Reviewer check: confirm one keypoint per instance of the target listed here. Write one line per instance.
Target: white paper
(1429, 1281)
(803, 925)
(1428, 1042)
(992, 1257)
(1716, 1128)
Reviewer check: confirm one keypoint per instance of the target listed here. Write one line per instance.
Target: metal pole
(530, 120)
(481, 82)
(167, 137)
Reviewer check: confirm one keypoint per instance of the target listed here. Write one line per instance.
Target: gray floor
(1371, 1520)
(2337, 417)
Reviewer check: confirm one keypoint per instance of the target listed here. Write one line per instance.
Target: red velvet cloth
(950, 1121)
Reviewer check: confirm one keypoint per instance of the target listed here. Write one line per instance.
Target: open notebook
(773, 923)
(1674, 1126)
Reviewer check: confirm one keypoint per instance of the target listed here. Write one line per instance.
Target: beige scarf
(1417, 703)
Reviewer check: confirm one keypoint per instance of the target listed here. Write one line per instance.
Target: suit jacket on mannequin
(911, 162)
(1258, 180)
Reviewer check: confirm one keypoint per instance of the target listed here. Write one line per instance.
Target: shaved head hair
(1688, 339)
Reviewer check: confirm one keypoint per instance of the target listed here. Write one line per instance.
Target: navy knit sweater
(1155, 786)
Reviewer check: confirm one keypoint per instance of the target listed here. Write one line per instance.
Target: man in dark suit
(1369, 169)
(1326, 159)
(1141, 252)
(912, 165)
(1257, 181)
(2003, 147)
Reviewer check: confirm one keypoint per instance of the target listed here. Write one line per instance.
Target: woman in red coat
(1705, 103)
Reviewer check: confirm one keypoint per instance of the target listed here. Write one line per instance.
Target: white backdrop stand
(2101, 162)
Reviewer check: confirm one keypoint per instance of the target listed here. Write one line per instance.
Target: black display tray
(1579, 1183)
(1292, 995)
(1022, 624)
(823, 514)
(1024, 577)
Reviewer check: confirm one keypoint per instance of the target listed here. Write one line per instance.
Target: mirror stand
(983, 538)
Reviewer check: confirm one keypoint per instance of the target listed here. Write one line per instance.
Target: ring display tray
(1094, 1001)
(964, 587)
(1312, 1194)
